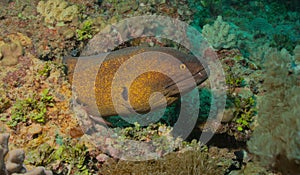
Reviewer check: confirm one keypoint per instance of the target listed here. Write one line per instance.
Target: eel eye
(182, 66)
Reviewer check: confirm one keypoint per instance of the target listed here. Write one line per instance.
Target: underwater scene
(149, 87)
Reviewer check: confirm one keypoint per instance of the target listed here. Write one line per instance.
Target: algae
(33, 108)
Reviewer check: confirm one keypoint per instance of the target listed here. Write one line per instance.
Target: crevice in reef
(219, 140)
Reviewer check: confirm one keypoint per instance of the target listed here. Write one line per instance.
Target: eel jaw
(185, 85)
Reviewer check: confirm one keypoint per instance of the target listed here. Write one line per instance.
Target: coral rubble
(14, 163)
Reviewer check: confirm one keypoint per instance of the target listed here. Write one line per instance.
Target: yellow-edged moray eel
(138, 92)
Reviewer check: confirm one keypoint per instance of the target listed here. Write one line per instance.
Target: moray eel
(97, 91)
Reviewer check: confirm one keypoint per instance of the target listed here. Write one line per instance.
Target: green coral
(245, 110)
(243, 102)
(70, 155)
(50, 67)
(214, 7)
(33, 108)
(73, 158)
(40, 156)
(141, 133)
(220, 35)
(46, 70)
(86, 31)
(234, 81)
(283, 40)
(4, 103)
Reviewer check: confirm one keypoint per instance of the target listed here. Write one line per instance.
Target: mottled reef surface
(259, 50)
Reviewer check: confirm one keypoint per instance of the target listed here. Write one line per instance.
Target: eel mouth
(186, 84)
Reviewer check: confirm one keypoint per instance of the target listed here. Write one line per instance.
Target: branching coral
(276, 139)
(259, 54)
(220, 34)
(14, 163)
(297, 54)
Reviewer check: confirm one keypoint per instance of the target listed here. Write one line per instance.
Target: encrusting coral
(14, 164)
(56, 10)
(9, 53)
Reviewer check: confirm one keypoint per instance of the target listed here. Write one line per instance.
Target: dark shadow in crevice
(219, 140)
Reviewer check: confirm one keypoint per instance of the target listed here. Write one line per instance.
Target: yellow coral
(10, 53)
(20, 37)
(56, 10)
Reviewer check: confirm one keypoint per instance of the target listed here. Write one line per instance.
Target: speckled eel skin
(140, 93)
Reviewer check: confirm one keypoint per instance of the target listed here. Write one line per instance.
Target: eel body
(133, 80)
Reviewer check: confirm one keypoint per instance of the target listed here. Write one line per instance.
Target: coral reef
(276, 139)
(33, 108)
(220, 34)
(259, 54)
(24, 97)
(4, 102)
(297, 54)
(49, 29)
(242, 82)
(14, 163)
(69, 155)
(261, 25)
(193, 159)
(86, 31)
(57, 11)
